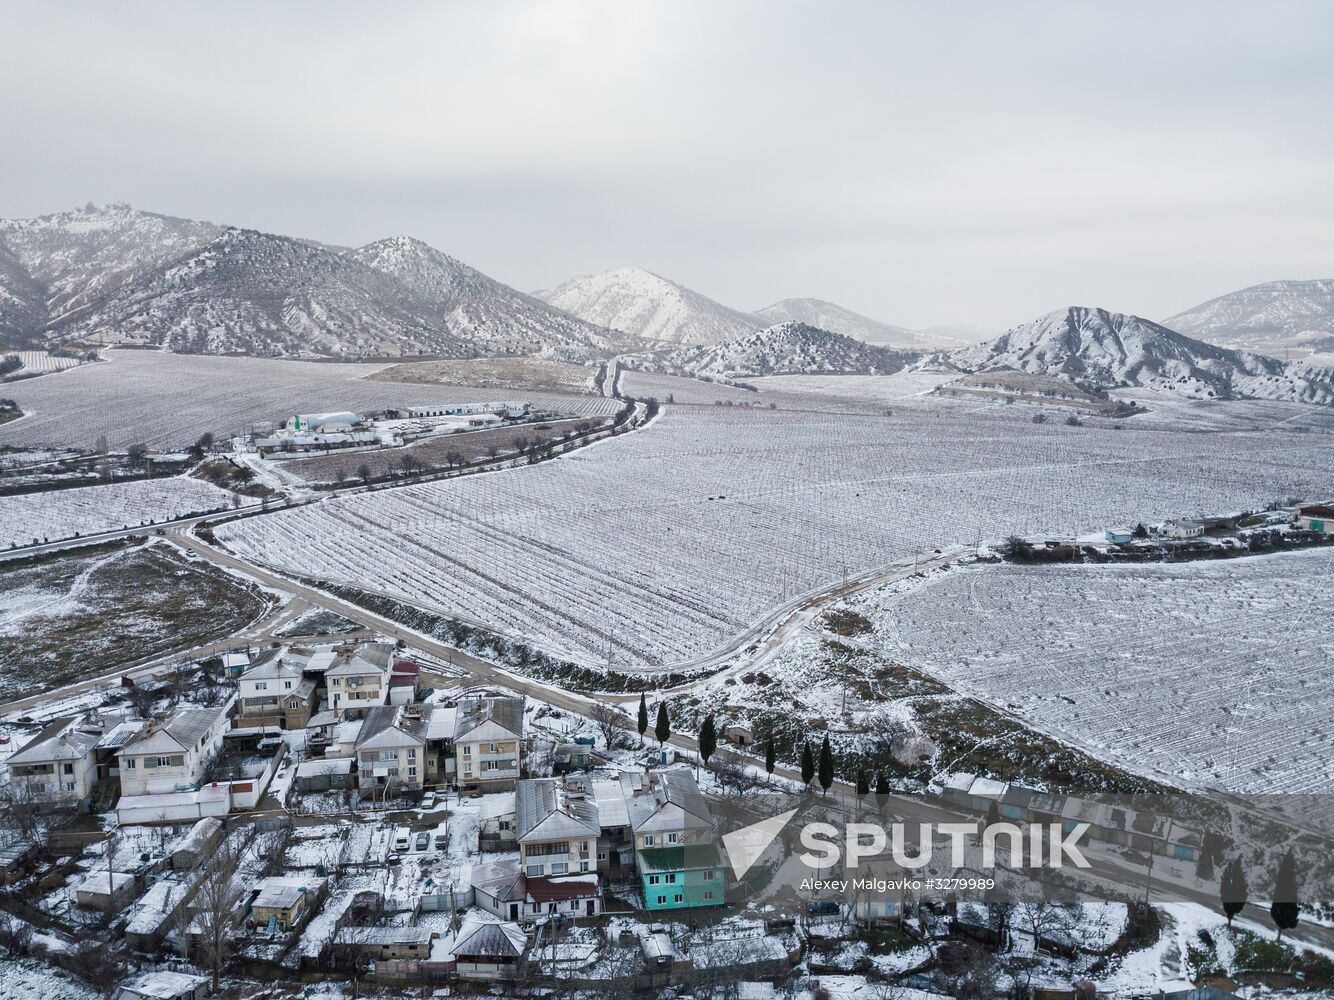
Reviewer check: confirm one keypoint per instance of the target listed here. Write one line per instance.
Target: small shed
(108, 891)
(163, 984)
(1118, 536)
(198, 844)
(739, 735)
(321, 775)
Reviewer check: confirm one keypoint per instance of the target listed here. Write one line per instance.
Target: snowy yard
(660, 546)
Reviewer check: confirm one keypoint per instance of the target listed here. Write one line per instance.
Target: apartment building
(274, 693)
(487, 743)
(357, 680)
(391, 746)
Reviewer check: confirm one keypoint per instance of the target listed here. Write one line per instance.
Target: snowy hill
(1102, 349)
(118, 274)
(1274, 316)
(787, 349)
(643, 304)
(490, 316)
(829, 316)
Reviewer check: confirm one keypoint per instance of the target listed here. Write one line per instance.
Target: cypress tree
(769, 758)
(826, 765)
(863, 784)
(1232, 889)
(708, 739)
(643, 717)
(663, 730)
(1283, 909)
(807, 764)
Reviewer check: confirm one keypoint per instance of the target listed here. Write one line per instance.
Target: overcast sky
(922, 163)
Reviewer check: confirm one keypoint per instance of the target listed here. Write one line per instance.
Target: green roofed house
(675, 846)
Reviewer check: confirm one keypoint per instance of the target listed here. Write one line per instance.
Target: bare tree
(216, 906)
(611, 722)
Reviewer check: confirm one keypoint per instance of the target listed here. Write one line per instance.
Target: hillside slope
(1102, 349)
(787, 349)
(490, 316)
(1273, 316)
(643, 304)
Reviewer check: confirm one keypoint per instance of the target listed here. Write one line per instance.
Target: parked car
(428, 800)
(402, 839)
(441, 840)
(423, 840)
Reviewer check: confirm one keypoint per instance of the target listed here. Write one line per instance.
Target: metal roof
(547, 809)
(62, 739)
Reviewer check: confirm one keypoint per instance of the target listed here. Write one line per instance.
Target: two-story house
(273, 693)
(173, 755)
(391, 746)
(59, 764)
(676, 853)
(488, 738)
(358, 680)
(557, 827)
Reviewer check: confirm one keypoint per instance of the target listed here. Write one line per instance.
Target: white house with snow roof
(488, 740)
(60, 763)
(173, 755)
(357, 680)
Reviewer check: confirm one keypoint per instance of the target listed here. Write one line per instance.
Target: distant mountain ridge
(787, 349)
(197, 287)
(1272, 316)
(826, 315)
(1102, 349)
(643, 304)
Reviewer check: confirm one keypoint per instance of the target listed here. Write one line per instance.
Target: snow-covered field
(39, 362)
(1220, 672)
(673, 540)
(168, 400)
(58, 514)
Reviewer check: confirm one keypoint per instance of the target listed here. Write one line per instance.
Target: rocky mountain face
(828, 316)
(1277, 316)
(787, 349)
(643, 304)
(1101, 350)
(487, 314)
(119, 275)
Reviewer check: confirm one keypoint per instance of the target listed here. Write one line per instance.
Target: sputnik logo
(745, 846)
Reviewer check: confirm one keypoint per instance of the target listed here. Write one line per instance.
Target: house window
(287, 686)
(412, 772)
(69, 786)
(261, 685)
(493, 765)
(129, 763)
(412, 754)
(671, 838)
(708, 894)
(602, 855)
(648, 840)
(671, 879)
(654, 879)
(662, 900)
(467, 750)
(708, 875)
(69, 768)
(676, 898)
(559, 868)
(533, 871)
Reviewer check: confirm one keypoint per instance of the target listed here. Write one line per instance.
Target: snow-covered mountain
(643, 304)
(489, 315)
(787, 349)
(829, 316)
(121, 275)
(1103, 350)
(1273, 316)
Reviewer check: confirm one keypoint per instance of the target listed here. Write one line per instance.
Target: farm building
(382, 944)
(323, 422)
(1119, 536)
(509, 408)
(1318, 517)
(1181, 529)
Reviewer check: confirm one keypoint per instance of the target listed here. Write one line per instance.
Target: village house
(487, 742)
(59, 764)
(499, 816)
(357, 679)
(275, 694)
(482, 948)
(383, 944)
(108, 891)
(557, 827)
(391, 747)
(1181, 529)
(173, 755)
(676, 853)
(404, 677)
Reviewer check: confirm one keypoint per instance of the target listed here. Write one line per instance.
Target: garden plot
(654, 548)
(1220, 673)
(521, 374)
(80, 614)
(32, 518)
(168, 400)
